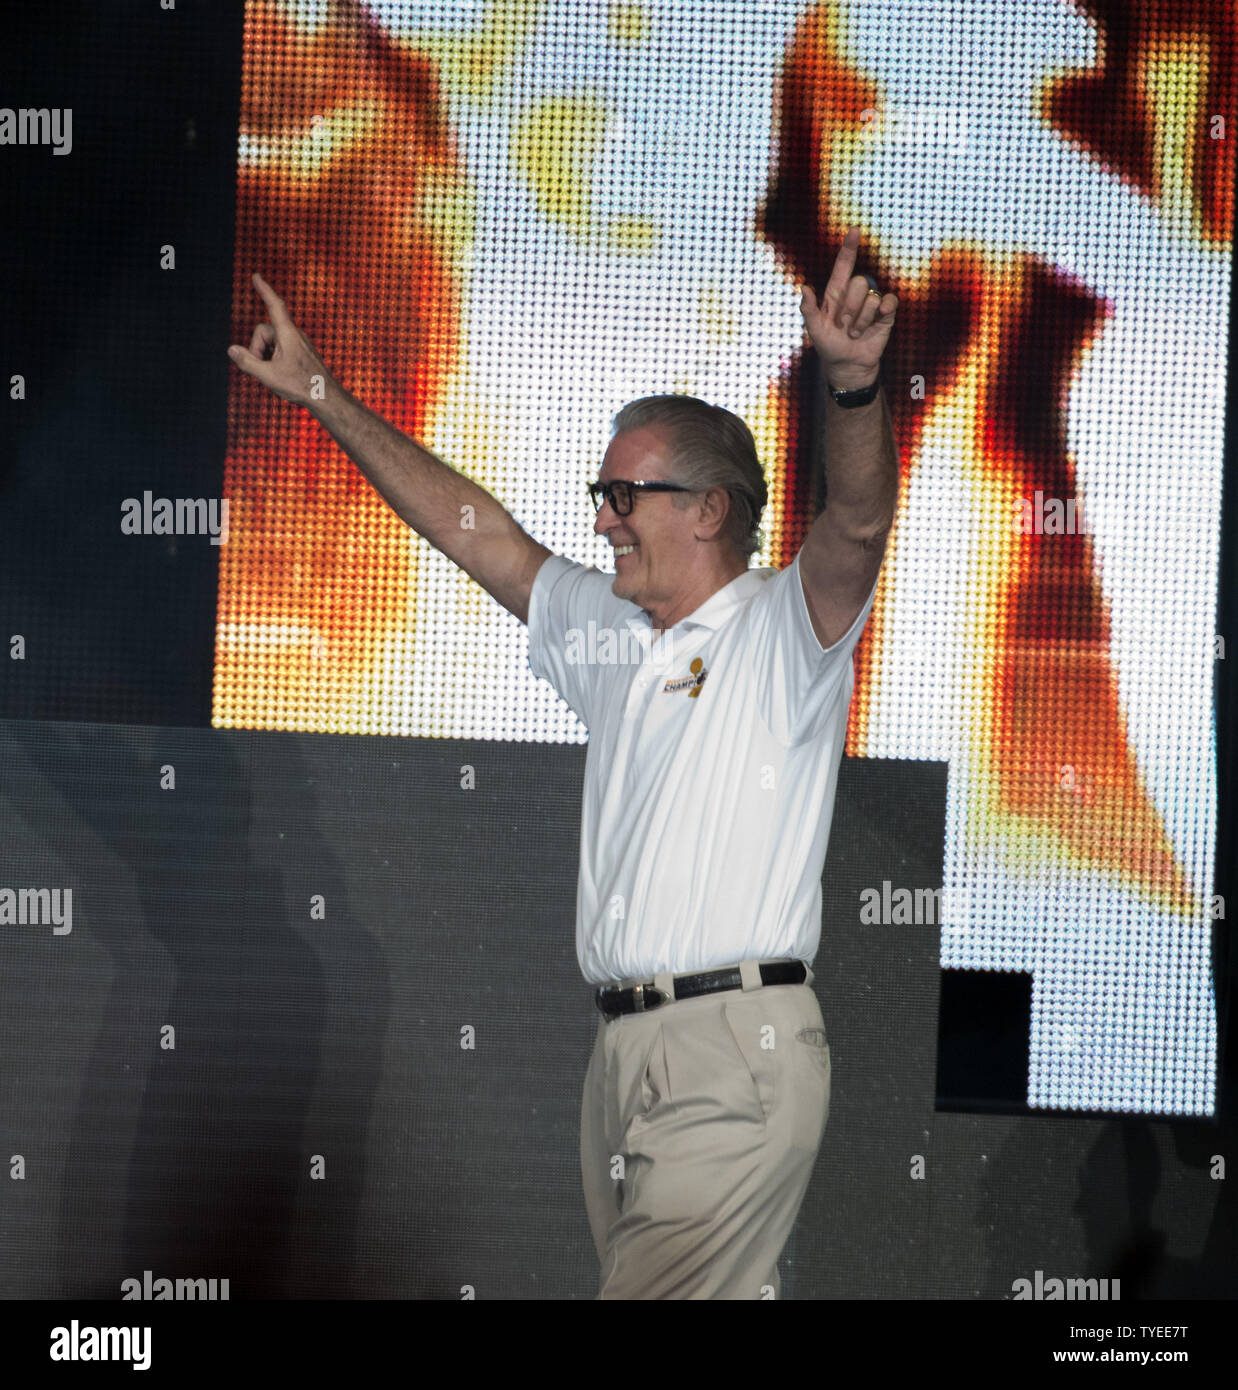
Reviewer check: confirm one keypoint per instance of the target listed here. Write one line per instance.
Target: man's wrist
(842, 379)
(333, 401)
(851, 397)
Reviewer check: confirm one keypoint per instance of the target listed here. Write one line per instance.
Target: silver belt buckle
(638, 994)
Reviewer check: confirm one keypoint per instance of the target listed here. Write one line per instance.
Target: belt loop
(750, 974)
(666, 983)
(809, 977)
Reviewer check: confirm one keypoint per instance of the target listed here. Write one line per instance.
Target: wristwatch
(863, 396)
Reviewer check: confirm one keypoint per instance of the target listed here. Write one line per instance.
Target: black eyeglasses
(620, 493)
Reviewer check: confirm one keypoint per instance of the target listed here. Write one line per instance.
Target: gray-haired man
(709, 785)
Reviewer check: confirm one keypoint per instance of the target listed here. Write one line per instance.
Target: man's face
(650, 575)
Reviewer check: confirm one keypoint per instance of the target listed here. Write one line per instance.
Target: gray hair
(710, 447)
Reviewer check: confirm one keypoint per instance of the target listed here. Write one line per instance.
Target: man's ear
(715, 508)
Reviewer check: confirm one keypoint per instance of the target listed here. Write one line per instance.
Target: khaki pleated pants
(700, 1124)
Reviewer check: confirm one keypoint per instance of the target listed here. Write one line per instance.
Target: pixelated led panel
(500, 222)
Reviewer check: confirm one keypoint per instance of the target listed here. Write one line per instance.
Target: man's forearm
(422, 490)
(458, 518)
(861, 466)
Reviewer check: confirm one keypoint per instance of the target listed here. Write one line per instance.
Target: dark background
(340, 1037)
(125, 364)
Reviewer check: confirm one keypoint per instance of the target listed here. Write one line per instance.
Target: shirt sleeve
(566, 598)
(799, 682)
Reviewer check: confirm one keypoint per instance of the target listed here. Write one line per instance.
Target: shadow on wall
(216, 1179)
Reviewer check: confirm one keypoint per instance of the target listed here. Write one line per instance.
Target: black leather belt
(614, 1000)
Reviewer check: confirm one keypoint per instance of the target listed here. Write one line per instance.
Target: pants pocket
(745, 1025)
(655, 1078)
(812, 1078)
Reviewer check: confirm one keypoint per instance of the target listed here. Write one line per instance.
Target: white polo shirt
(705, 815)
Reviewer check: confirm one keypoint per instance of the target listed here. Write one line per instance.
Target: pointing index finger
(280, 316)
(844, 266)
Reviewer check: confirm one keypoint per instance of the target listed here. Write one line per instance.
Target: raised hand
(280, 356)
(851, 325)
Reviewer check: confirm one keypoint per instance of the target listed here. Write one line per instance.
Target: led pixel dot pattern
(501, 222)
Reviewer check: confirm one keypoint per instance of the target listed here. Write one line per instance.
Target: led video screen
(499, 222)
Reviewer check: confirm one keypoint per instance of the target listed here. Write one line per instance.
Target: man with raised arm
(712, 764)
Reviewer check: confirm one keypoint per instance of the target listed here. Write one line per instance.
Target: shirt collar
(718, 607)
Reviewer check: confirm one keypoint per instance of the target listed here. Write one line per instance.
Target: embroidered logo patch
(692, 684)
